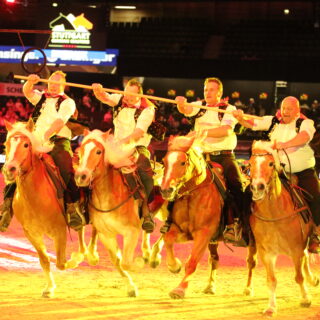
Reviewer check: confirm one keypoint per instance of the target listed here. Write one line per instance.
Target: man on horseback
(52, 111)
(132, 117)
(291, 131)
(218, 146)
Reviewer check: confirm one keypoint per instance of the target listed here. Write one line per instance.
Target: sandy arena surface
(99, 292)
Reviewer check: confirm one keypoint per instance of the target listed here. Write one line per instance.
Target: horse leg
(269, 263)
(115, 255)
(312, 280)
(213, 262)
(173, 263)
(78, 257)
(92, 253)
(155, 258)
(130, 240)
(201, 239)
(145, 247)
(299, 261)
(251, 264)
(44, 259)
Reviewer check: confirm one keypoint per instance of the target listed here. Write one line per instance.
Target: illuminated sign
(58, 56)
(70, 31)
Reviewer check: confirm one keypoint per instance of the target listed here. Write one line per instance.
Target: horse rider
(218, 146)
(291, 131)
(52, 111)
(130, 127)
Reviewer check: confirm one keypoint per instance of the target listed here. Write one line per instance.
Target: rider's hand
(126, 140)
(281, 145)
(97, 88)
(181, 103)
(238, 114)
(33, 78)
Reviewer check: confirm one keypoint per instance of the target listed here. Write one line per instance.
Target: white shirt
(49, 114)
(125, 124)
(302, 157)
(211, 120)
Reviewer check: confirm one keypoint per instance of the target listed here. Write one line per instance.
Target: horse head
(21, 144)
(91, 155)
(99, 150)
(264, 164)
(182, 162)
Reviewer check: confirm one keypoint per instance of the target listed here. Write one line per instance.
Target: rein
(185, 184)
(294, 214)
(117, 206)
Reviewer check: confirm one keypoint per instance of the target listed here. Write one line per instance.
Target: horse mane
(115, 154)
(196, 157)
(190, 145)
(36, 143)
(180, 143)
(268, 146)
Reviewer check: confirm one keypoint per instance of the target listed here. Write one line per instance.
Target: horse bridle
(294, 214)
(273, 175)
(114, 208)
(22, 172)
(182, 182)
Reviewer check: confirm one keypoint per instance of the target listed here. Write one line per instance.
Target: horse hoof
(93, 258)
(139, 262)
(132, 293)
(47, 294)
(316, 282)
(270, 312)
(175, 270)
(209, 290)
(306, 303)
(177, 293)
(248, 292)
(154, 264)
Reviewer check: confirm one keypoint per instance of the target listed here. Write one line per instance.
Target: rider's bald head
(290, 109)
(292, 101)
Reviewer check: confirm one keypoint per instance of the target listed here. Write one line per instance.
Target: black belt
(218, 153)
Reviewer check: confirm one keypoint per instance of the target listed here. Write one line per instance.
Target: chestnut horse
(277, 226)
(112, 208)
(196, 212)
(35, 203)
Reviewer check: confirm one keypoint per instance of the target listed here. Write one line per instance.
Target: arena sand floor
(99, 292)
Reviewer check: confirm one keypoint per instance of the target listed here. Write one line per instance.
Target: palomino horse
(112, 208)
(277, 226)
(35, 202)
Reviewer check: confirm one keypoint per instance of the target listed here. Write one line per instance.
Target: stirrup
(166, 227)
(5, 220)
(314, 244)
(75, 218)
(148, 224)
(233, 232)
(6, 214)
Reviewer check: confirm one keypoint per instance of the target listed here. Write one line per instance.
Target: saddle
(299, 196)
(227, 213)
(54, 175)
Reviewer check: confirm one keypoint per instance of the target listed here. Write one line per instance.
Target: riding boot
(233, 232)
(148, 223)
(314, 241)
(166, 227)
(75, 216)
(6, 214)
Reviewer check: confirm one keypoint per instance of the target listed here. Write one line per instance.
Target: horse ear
(8, 125)
(105, 135)
(30, 125)
(86, 132)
